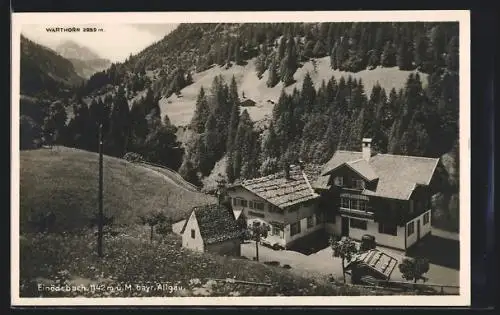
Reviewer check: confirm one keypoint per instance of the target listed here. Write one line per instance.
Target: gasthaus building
(353, 194)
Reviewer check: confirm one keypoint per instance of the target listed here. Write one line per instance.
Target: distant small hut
(247, 103)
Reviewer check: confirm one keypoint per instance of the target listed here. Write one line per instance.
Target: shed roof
(378, 261)
(216, 224)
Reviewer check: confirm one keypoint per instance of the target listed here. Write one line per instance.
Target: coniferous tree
(54, 124)
(237, 53)
(289, 63)
(235, 114)
(307, 94)
(138, 127)
(118, 135)
(244, 146)
(404, 55)
(201, 112)
(79, 126)
(210, 145)
(388, 57)
(273, 74)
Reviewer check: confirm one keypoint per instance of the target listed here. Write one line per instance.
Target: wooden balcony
(362, 214)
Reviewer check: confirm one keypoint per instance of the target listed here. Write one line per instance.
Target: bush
(133, 157)
(272, 263)
(287, 266)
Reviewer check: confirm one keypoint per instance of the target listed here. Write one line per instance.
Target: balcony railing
(366, 214)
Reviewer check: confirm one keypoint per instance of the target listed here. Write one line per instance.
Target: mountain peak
(72, 50)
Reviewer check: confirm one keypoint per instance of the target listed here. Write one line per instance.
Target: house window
(426, 218)
(250, 204)
(411, 228)
(390, 229)
(353, 204)
(258, 205)
(339, 181)
(240, 202)
(358, 183)
(358, 224)
(310, 222)
(256, 214)
(193, 233)
(295, 228)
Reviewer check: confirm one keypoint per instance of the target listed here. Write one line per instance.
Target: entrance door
(345, 226)
(418, 230)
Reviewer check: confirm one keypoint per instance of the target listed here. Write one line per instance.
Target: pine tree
(78, 127)
(388, 57)
(119, 125)
(237, 53)
(404, 56)
(271, 143)
(138, 127)
(210, 145)
(273, 74)
(420, 53)
(244, 147)
(281, 48)
(235, 114)
(260, 65)
(201, 113)
(308, 93)
(289, 63)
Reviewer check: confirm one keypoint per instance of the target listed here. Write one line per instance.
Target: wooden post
(101, 214)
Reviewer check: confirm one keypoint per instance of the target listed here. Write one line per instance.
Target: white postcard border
(70, 19)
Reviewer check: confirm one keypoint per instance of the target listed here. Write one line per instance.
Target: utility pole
(100, 219)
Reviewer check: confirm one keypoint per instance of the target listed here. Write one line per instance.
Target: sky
(116, 42)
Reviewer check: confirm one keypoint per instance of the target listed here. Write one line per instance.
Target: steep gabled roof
(340, 157)
(363, 168)
(284, 192)
(216, 224)
(397, 175)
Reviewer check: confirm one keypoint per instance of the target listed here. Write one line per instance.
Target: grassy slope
(65, 181)
(131, 259)
(180, 109)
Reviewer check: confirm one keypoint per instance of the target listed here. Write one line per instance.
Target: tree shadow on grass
(439, 251)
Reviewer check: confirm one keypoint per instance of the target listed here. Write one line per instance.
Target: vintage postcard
(241, 158)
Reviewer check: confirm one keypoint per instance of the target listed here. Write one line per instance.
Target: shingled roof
(216, 224)
(284, 192)
(378, 261)
(397, 175)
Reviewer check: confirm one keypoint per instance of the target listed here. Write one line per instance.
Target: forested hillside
(309, 121)
(44, 72)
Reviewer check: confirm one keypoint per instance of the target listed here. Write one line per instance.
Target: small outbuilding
(212, 228)
(371, 265)
(247, 103)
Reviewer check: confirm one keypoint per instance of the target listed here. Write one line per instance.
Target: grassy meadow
(65, 181)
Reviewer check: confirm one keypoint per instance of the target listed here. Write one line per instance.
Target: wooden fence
(444, 289)
(177, 176)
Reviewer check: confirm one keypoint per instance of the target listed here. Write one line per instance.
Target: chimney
(366, 149)
(286, 169)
